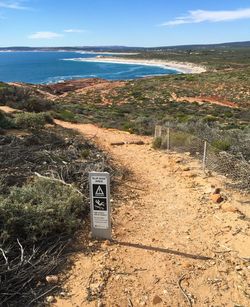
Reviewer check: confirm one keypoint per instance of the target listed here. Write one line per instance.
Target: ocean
(51, 67)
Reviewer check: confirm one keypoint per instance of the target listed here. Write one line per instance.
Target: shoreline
(182, 67)
(107, 52)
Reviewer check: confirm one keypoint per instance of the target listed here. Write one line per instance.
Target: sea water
(51, 67)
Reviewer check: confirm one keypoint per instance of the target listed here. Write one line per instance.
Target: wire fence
(212, 158)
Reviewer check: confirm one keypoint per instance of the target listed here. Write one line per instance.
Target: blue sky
(122, 22)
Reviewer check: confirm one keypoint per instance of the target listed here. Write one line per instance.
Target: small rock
(156, 300)
(91, 244)
(236, 231)
(178, 160)
(63, 294)
(52, 279)
(106, 242)
(223, 269)
(50, 299)
(187, 264)
(238, 268)
(192, 175)
(215, 190)
(228, 208)
(186, 169)
(216, 198)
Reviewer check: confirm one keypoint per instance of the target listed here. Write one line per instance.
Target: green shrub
(223, 145)
(39, 209)
(66, 115)
(179, 138)
(85, 153)
(157, 142)
(35, 104)
(24, 99)
(182, 118)
(33, 121)
(129, 126)
(5, 121)
(210, 118)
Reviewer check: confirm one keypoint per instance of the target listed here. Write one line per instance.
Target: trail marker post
(99, 184)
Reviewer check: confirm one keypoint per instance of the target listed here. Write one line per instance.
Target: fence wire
(234, 167)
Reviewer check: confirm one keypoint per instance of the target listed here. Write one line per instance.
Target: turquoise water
(52, 67)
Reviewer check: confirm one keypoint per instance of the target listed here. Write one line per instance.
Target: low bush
(24, 99)
(5, 121)
(36, 104)
(157, 142)
(210, 118)
(179, 138)
(66, 115)
(33, 121)
(129, 126)
(40, 209)
(223, 145)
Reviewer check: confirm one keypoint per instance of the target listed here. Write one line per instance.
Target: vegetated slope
(212, 101)
(213, 57)
(43, 202)
(172, 245)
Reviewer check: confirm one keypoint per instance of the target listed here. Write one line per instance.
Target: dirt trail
(166, 229)
(7, 109)
(200, 99)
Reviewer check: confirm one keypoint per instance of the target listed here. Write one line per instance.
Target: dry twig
(183, 291)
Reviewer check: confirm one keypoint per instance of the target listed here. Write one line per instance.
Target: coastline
(182, 67)
(107, 52)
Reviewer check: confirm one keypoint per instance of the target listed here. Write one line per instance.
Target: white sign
(100, 204)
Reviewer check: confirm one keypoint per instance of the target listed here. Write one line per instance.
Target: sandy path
(212, 100)
(7, 109)
(165, 227)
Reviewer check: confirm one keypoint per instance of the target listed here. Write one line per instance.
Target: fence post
(204, 156)
(158, 130)
(155, 131)
(168, 137)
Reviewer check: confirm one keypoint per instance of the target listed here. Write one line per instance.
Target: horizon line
(127, 46)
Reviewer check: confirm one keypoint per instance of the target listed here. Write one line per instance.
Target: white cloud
(13, 5)
(199, 16)
(74, 31)
(44, 35)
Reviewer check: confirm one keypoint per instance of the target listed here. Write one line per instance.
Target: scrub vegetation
(43, 190)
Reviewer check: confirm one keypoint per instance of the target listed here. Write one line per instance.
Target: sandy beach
(182, 67)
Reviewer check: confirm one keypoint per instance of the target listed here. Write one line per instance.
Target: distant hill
(83, 48)
(206, 46)
(125, 48)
